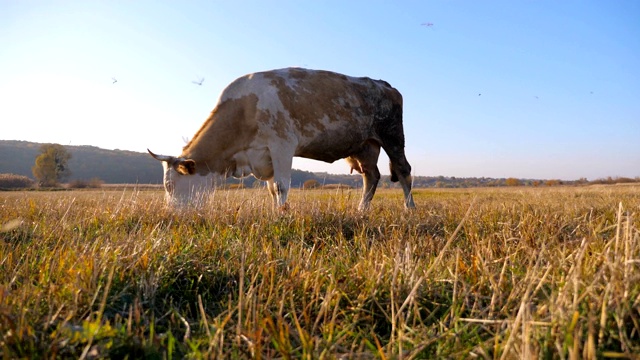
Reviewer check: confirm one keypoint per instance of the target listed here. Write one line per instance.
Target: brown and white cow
(263, 120)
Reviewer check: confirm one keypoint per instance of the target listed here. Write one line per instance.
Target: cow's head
(182, 185)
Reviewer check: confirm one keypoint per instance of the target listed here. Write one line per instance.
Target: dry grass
(485, 273)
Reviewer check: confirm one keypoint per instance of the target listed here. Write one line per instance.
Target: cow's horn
(162, 157)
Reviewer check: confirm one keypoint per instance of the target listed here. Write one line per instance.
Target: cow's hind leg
(366, 163)
(392, 137)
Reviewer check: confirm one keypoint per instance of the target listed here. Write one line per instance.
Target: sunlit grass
(489, 273)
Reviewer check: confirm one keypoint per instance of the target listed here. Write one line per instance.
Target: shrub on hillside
(513, 182)
(311, 184)
(82, 184)
(13, 181)
(553, 182)
(337, 186)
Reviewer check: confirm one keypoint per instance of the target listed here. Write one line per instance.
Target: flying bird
(427, 24)
(114, 80)
(199, 83)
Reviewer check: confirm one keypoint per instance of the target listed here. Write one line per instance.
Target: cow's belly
(332, 146)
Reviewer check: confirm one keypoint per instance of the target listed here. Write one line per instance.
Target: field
(509, 273)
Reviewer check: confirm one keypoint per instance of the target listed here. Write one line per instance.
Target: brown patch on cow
(315, 99)
(305, 117)
(335, 115)
(276, 122)
(282, 126)
(230, 128)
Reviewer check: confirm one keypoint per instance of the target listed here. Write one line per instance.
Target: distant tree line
(616, 180)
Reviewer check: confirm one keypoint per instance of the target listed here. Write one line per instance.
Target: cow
(262, 120)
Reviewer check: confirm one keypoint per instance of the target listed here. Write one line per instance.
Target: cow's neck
(230, 128)
(221, 137)
(209, 159)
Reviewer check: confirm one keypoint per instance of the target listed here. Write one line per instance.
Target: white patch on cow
(186, 190)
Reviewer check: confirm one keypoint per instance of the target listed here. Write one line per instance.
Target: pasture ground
(482, 273)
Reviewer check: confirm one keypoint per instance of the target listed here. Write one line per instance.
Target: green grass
(486, 273)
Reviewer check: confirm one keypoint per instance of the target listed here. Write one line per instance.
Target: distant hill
(130, 167)
(87, 162)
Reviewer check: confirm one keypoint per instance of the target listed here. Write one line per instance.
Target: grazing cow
(263, 120)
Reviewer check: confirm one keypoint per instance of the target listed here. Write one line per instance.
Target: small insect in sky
(199, 83)
(114, 80)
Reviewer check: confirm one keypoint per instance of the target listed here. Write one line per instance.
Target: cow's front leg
(282, 159)
(278, 193)
(272, 191)
(281, 190)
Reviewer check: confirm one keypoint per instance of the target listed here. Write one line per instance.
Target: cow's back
(329, 115)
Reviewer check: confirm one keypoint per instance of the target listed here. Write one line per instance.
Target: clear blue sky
(528, 89)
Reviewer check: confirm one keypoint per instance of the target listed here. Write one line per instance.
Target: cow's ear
(186, 167)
